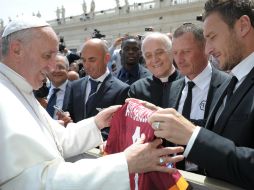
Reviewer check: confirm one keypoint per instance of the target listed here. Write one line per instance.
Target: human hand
(102, 147)
(64, 118)
(118, 41)
(145, 104)
(145, 157)
(103, 118)
(171, 125)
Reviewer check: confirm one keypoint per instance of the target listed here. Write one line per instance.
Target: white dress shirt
(59, 95)
(33, 146)
(100, 79)
(199, 93)
(240, 71)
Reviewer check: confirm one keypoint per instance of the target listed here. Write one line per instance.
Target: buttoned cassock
(33, 146)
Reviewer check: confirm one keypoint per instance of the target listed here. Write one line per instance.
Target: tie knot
(94, 85)
(55, 90)
(93, 82)
(191, 84)
(233, 82)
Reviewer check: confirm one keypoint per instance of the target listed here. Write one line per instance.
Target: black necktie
(94, 85)
(187, 103)
(230, 88)
(52, 101)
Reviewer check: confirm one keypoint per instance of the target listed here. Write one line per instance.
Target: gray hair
(22, 35)
(66, 62)
(166, 41)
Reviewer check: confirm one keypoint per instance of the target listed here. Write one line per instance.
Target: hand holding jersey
(149, 159)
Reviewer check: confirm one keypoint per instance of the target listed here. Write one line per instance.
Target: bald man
(99, 89)
(72, 75)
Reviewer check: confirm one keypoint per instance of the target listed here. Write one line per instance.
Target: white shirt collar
(61, 87)
(165, 79)
(243, 68)
(201, 80)
(102, 77)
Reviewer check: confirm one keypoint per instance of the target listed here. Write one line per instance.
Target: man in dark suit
(131, 70)
(108, 90)
(224, 148)
(156, 49)
(59, 80)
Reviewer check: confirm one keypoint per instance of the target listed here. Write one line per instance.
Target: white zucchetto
(22, 23)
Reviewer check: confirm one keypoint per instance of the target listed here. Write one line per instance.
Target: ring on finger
(161, 160)
(156, 125)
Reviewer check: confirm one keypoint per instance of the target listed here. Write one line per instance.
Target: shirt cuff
(191, 141)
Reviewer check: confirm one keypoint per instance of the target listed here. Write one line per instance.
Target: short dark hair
(131, 39)
(230, 10)
(196, 30)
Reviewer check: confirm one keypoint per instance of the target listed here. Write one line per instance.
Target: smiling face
(35, 55)
(189, 55)
(157, 57)
(130, 52)
(59, 74)
(222, 42)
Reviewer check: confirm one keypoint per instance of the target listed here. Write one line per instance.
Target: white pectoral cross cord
(135, 137)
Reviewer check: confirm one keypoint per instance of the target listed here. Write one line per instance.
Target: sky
(47, 8)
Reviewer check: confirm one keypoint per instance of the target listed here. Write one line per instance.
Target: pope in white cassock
(33, 145)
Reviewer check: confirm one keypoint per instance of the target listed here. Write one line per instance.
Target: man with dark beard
(226, 142)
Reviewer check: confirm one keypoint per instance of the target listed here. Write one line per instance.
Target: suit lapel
(237, 97)
(106, 84)
(66, 95)
(83, 88)
(175, 93)
(83, 96)
(215, 83)
(218, 100)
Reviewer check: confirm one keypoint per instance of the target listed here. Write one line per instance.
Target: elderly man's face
(158, 58)
(39, 56)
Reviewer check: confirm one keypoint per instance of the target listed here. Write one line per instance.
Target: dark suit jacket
(151, 89)
(226, 152)
(66, 95)
(173, 92)
(111, 92)
(137, 73)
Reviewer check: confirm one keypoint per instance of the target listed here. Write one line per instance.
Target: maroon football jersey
(127, 124)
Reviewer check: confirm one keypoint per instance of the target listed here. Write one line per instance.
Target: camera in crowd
(61, 44)
(97, 34)
(149, 29)
(199, 18)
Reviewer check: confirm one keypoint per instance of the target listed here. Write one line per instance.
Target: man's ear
(107, 58)
(15, 48)
(244, 25)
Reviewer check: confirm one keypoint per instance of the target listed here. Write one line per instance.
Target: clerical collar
(171, 75)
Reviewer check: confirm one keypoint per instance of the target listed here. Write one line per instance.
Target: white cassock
(33, 146)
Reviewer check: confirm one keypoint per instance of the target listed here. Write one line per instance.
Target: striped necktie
(52, 101)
